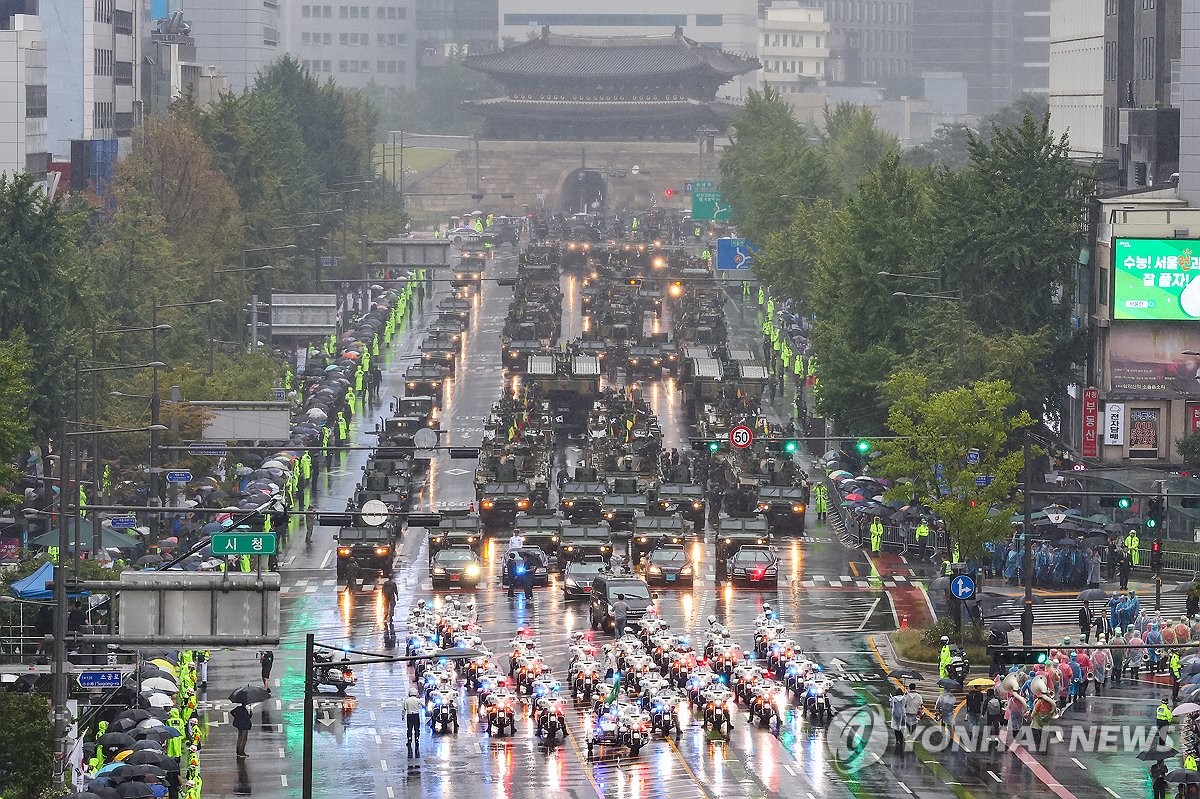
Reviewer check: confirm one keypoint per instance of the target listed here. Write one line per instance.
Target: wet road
(826, 598)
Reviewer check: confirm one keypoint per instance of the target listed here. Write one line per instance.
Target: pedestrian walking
(975, 708)
(914, 705)
(1158, 779)
(899, 710)
(412, 718)
(994, 713)
(1040, 718)
(1086, 620)
(310, 521)
(620, 611)
(390, 595)
(943, 707)
(267, 659)
(243, 723)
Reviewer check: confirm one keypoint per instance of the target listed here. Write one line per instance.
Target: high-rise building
(1187, 90)
(1077, 75)
(23, 145)
(1141, 111)
(241, 38)
(356, 45)
(876, 38)
(794, 46)
(729, 25)
(451, 29)
(171, 69)
(1001, 47)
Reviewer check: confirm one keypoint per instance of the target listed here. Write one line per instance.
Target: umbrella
(149, 758)
(1067, 542)
(1184, 775)
(1185, 708)
(115, 739)
(102, 789)
(1092, 595)
(153, 746)
(166, 665)
(946, 682)
(1095, 541)
(905, 674)
(1157, 753)
(249, 694)
(134, 790)
(158, 700)
(1133, 521)
(136, 714)
(122, 756)
(159, 733)
(982, 682)
(1114, 527)
(1098, 518)
(84, 795)
(940, 583)
(1001, 626)
(854, 497)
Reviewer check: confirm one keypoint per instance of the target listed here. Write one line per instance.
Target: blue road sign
(328, 262)
(972, 457)
(123, 523)
(735, 254)
(179, 476)
(688, 186)
(984, 480)
(279, 394)
(100, 679)
(963, 587)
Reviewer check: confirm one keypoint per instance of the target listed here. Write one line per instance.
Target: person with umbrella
(1086, 617)
(243, 723)
(1158, 779)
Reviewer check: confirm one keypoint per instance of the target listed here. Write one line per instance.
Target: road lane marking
(283, 780)
(904, 788)
(1075, 760)
(383, 765)
(1113, 793)
(282, 753)
(870, 613)
(994, 775)
(325, 560)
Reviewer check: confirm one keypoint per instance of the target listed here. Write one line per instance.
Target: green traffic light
(791, 447)
(1124, 503)
(1043, 658)
(713, 446)
(863, 446)
(1152, 522)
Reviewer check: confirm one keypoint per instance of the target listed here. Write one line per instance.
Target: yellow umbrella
(165, 665)
(981, 682)
(123, 755)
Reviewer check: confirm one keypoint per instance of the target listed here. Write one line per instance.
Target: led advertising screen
(1156, 279)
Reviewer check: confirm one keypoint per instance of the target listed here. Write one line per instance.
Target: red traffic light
(669, 193)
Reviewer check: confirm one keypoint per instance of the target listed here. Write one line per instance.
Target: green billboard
(1156, 279)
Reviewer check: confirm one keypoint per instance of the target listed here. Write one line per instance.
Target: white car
(460, 234)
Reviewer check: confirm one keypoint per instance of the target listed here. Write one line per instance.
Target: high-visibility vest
(1164, 714)
(52, 554)
(922, 530)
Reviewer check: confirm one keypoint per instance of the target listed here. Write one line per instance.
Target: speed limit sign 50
(741, 436)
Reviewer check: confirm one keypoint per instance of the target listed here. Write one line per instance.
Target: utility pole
(1027, 559)
(61, 722)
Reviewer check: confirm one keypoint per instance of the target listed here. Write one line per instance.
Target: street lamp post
(254, 295)
(155, 499)
(60, 692)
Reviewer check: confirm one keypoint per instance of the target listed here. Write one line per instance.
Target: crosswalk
(1064, 611)
(819, 581)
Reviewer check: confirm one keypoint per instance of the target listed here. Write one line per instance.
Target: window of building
(598, 20)
(328, 12)
(391, 12)
(401, 13)
(343, 66)
(123, 124)
(123, 73)
(306, 38)
(1150, 54)
(102, 63)
(327, 39)
(102, 115)
(364, 66)
(401, 66)
(353, 12)
(708, 20)
(272, 5)
(327, 65)
(381, 66)
(343, 12)
(122, 22)
(305, 11)
(344, 39)
(270, 36)
(35, 102)
(104, 11)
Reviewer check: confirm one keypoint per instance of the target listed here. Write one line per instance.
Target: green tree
(47, 290)
(26, 746)
(16, 394)
(860, 336)
(854, 144)
(1188, 448)
(1011, 218)
(949, 147)
(770, 169)
(935, 432)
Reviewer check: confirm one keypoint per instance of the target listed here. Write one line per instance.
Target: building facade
(794, 47)
(1001, 47)
(23, 144)
(876, 39)
(241, 38)
(171, 70)
(451, 29)
(1142, 45)
(729, 25)
(359, 46)
(1188, 92)
(1077, 75)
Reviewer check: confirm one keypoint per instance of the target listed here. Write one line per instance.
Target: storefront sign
(1114, 424)
(1091, 423)
(1143, 433)
(1193, 416)
(1148, 360)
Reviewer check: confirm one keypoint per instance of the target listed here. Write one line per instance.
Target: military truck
(784, 507)
(499, 503)
(364, 549)
(733, 534)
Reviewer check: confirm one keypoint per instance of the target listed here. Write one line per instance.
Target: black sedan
(754, 565)
(528, 559)
(669, 566)
(577, 579)
(455, 566)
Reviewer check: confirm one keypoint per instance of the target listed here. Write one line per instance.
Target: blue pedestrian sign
(123, 523)
(100, 679)
(972, 456)
(735, 254)
(279, 394)
(963, 587)
(179, 476)
(984, 480)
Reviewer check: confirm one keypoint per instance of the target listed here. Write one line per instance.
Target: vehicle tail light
(760, 572)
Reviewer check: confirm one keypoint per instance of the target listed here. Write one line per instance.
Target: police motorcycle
(767, 628)
(626, 647)
(796, 675)
(637, 667)
(779, 652)
(326, 671)
(666, 648)
(701, 679)
(490, 682)
(726, 656)
(681, 666)
(650, 627)
(441, 706)
(477, 666)
(743, 679)
(585, 676)
(717, 711)
(666, 708)
(816, 704)
(768, 700)
(499, 712)
(621, 724)
(520, 648)
(549, 710)
(529, 669)
(959, 667)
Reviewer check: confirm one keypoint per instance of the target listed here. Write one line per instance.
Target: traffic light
(1156, 554)
(669, 193)
(634, 281)
(1019, 655)
(789, 446)
(1123, 503)
(706, 445)
(676, 288)
(1189, 502)
(862, 446)
(1153, 513)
